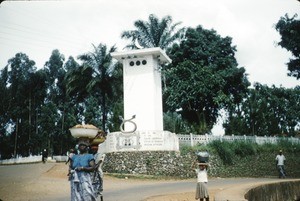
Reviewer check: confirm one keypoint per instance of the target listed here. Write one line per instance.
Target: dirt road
(48, 182)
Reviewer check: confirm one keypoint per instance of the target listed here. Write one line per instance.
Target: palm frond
(153, 33)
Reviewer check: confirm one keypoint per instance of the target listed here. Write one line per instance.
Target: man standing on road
(280, 158)
(44, 155)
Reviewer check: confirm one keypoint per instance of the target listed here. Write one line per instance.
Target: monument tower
(142, 99)
(142, 86)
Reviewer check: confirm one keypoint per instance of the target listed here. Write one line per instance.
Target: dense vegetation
(289, 29)
(227, 159)
(245, 159)
(40, 103)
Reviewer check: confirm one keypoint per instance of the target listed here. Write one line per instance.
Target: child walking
(201, 188)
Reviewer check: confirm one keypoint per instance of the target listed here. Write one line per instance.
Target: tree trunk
(62, 129)
(16, 138)
(30, 124)
(103, 111)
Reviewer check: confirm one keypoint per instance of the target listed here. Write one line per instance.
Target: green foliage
(236, 157)
(289, 29)
(244, 149)
(164, 163)
(229, 151)
(97, 78)
(23, 90)
(185, 149)
(224, 150)
(115, 112)
(266, 111)
(153, 33)
(173, 122)
(40, 106)
(235, 124)
(37, 107)
(286, 145)
(203, 78)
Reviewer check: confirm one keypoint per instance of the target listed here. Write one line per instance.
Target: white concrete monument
(143, 101)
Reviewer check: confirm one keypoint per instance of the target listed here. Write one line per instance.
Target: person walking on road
(81, 166)
(44, 155)
(70, 155)
(280, 159)
(201, 188)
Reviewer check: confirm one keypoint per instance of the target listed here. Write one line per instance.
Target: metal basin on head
(84, 132)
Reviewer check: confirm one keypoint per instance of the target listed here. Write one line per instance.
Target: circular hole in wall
(138, 63)
(144, 62)
(131, 63)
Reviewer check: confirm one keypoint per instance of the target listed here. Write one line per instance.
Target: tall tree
(37, 90)
(203, 78)
(266, 111)
(6, 147)
(56, 100)
(20, 100)
(289, 29)
(55, 72)
(4, 99)
(99, 76)
(153, 33)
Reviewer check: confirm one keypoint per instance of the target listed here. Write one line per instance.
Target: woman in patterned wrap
(80, 169)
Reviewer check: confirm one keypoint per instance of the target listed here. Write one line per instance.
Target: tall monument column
(142, 87)
(142, 99)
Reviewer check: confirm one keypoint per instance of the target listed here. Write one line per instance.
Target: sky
(36, 28)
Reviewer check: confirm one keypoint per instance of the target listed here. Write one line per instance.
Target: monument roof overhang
(156, 52)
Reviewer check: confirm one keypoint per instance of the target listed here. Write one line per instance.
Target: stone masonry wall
(162, 163)
(287, 191)
(174, 164)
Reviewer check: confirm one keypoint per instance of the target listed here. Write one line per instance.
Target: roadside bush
(286, 145)
(224, 150)
(282, 144)
(185, 149)
(244, 149)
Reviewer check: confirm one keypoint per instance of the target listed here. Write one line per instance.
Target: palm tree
(96, 76)
(154, 33)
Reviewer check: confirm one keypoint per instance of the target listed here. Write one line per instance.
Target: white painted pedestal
(141, 141)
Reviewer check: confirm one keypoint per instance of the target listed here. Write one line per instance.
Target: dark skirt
(201, 190)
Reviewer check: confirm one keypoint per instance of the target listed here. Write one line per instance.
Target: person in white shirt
(201, 188)
(280, 159)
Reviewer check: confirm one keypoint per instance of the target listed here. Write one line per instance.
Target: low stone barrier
(19, 160)
(32, 159)
(60, 158)
(288, 190)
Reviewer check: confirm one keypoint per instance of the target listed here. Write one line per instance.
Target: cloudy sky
(38, 27)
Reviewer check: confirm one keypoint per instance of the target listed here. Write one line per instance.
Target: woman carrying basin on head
(80, 169)
(201, 188)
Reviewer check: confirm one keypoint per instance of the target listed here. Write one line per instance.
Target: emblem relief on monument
(128, 141)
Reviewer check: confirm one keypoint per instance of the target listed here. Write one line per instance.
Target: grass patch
(224, 150)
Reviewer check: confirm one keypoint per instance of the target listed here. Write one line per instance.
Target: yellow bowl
(97, 141)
